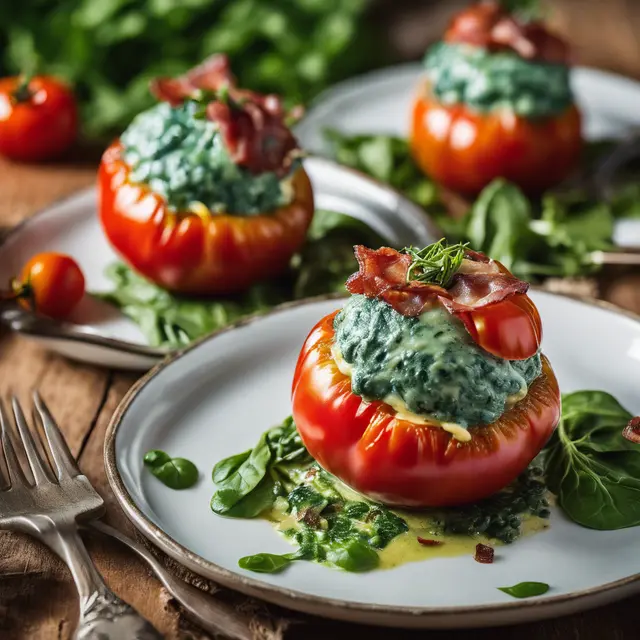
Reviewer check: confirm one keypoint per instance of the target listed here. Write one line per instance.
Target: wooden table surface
(37, 597)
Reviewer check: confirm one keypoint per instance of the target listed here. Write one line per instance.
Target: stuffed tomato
(496, 102)
(428, 388)
(205, 193)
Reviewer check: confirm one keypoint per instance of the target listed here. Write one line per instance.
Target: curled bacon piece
(479, 283)
(488, 25)
(252, 125)
(484, 554)
(632, 431)
(210, 75)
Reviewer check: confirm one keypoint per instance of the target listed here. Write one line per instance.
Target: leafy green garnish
(526, 589)
(435, 264)
(266, 562)
(247, 484)
(176, 473)
(591, 467)
(323, 265)
(110, 49)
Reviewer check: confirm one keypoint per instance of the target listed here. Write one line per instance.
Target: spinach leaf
(176, 473)
(266, 562)
(322, 266)
(526, 589)
(353, 555)
(248, 483)
(593, 470)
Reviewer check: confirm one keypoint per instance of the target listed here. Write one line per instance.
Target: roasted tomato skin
(401, 463)
(198, 254)
(465, 150)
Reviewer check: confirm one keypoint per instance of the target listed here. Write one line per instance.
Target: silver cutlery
(49, 508)
(213, 616)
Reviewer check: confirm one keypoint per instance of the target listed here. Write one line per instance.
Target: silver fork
(50, 507)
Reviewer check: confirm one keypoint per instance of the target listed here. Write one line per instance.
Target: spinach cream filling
(184, 159)
(428, 363)
(486, 81)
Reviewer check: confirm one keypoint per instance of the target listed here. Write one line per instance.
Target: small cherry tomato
(198, 253)
(51, 284)
(403, 463)
(511, 329)
(38, 118)
(465, 150)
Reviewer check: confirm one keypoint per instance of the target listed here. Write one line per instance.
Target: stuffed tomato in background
(205, 193)
(496, 102)
(428, 388)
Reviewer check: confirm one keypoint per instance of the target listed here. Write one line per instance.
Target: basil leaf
(252, 504)
(266, 562)
(176, 473)
(593, 470)
(526, 589)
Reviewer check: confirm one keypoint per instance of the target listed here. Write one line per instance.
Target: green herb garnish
(591, 467)
(526, 589)
(435, 264)
(266, 562)
(176, 473)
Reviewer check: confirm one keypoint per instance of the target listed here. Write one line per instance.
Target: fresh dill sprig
(435, 264)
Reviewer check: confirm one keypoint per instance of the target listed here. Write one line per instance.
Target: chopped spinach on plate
(322, 266)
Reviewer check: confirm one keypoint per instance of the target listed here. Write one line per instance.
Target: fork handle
(103, 616)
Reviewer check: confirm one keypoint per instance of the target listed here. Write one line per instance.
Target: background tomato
(51, 284)
(38, 119)
(403, 463)
(194, 253)
(465, 150)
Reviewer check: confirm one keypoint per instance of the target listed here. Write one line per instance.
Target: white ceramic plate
(216, 399)
(110, 339)
(380, 102)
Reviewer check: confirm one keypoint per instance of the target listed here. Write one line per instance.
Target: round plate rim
(389, 615)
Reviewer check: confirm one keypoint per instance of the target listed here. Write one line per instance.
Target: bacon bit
(632, 431)
(429, 543)
(252, 125)
(311, 474)
(211, 75)
(480, 282)
(309, 516)
(488, 25)
(484, 554)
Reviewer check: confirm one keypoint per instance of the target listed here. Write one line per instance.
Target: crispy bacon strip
(252, 125)
(488, 25)
(632, 431)
(210, 75)
(479, 283)
(484, 554)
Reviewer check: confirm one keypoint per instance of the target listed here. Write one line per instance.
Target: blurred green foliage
(110, 49)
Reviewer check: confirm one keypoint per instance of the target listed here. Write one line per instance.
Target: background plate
(380, 102)
(219, 396)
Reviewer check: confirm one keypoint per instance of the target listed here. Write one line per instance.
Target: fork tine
(65, 463)
(15, 474)
(33, 455)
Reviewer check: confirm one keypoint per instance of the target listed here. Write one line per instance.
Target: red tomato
(193, 253)
(51, 284)
(38, 121)
(465, 150)
(401, 463)
(511, 329)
